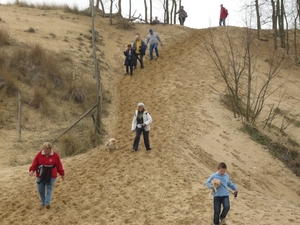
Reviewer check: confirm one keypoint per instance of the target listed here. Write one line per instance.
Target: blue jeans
(154, 46)
(222, 20)
(218, 201)
(45, 191)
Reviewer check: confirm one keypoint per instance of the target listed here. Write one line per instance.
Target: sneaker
(134, 150)
(148, 149)
(223, 221)
(47, 206)
(151, 59)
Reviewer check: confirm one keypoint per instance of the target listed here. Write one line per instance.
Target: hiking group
(137, 50)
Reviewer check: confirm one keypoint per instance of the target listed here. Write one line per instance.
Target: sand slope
(190, 134)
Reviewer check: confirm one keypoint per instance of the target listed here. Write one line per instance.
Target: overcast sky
(201, 14)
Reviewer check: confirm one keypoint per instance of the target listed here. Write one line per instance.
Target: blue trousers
(218, 201)
(222, 20)
(45, 191)
(154, 46)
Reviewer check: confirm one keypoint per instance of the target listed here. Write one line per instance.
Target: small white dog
(215, 183)
(111, 144)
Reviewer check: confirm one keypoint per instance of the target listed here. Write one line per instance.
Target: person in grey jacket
(141, 124)
(153, 38)
(182, 15)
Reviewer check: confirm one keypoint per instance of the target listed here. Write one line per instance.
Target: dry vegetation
(46, 79)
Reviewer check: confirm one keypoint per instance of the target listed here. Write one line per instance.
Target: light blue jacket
(225, 183)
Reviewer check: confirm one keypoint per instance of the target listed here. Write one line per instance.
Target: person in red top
(223, 15)
(46, 165)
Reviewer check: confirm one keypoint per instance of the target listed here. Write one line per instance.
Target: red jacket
(52, 159)
(223, 13)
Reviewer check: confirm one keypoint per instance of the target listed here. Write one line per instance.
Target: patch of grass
(23, 4)
(30, 30)
(39, 98)
(70, 144)
(76, 94)
(8, 83)
(4, 37)
(123, 24)
(2, 60)
(37, 54)
(52, 35)
(74, 9)
(289, 156)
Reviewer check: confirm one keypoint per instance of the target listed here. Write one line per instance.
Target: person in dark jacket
(139, 48)
(46, 165)
(182, 15)
(130, 59)
(223, 15)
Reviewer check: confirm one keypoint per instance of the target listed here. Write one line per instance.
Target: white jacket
(146, 118)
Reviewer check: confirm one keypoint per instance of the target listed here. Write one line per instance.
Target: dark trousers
(181, 21)
(140, 58)
(136, 142)
(129, 67)
(218, 201)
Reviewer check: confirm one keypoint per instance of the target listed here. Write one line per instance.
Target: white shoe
(223, 221)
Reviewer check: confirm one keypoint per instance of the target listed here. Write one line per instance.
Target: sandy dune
(190, 134)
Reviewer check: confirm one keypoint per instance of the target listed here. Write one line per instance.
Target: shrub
(39, 98)
(8, 83)
(2, 60)
(4, 37)
(37, 54)
(30, 30)
(73, 9)
(70, 145)
(122, 23)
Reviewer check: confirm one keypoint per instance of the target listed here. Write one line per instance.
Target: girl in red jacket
(46, 164)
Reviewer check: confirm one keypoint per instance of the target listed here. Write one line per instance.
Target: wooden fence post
(19, 116)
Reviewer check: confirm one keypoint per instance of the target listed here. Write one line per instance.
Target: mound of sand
(191, 132)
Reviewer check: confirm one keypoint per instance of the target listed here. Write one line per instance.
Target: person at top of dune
(46, 165)
(221, 196)
(223, 15)
(153, 38)
(141, 124)
(182, 15)
(155, 21)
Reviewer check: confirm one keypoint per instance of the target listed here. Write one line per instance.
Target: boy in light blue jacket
(221, 196)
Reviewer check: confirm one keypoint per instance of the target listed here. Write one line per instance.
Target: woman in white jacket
(141, 124)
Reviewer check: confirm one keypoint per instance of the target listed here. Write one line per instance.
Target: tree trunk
(175, 10)
(151, 16)
(295, 40)
(102, 7)
(281, 23)
(129, 9)
(171, 13)
(167, 12)
(274, 22)
(146, 11)
(120, 8)
(110, 12)
(257, 19)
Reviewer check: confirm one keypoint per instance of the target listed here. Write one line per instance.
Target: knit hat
(141, 104)
(150, 30)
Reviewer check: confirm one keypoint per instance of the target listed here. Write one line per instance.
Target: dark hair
(222, 165)
(129, 45)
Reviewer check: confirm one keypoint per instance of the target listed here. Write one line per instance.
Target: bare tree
(151, 15)
(146, 10)
(258, 23)
(110, 11)
(129, 8)
(245, 95)
(175, 10)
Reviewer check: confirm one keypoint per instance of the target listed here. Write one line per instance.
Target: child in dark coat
(130, 60)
